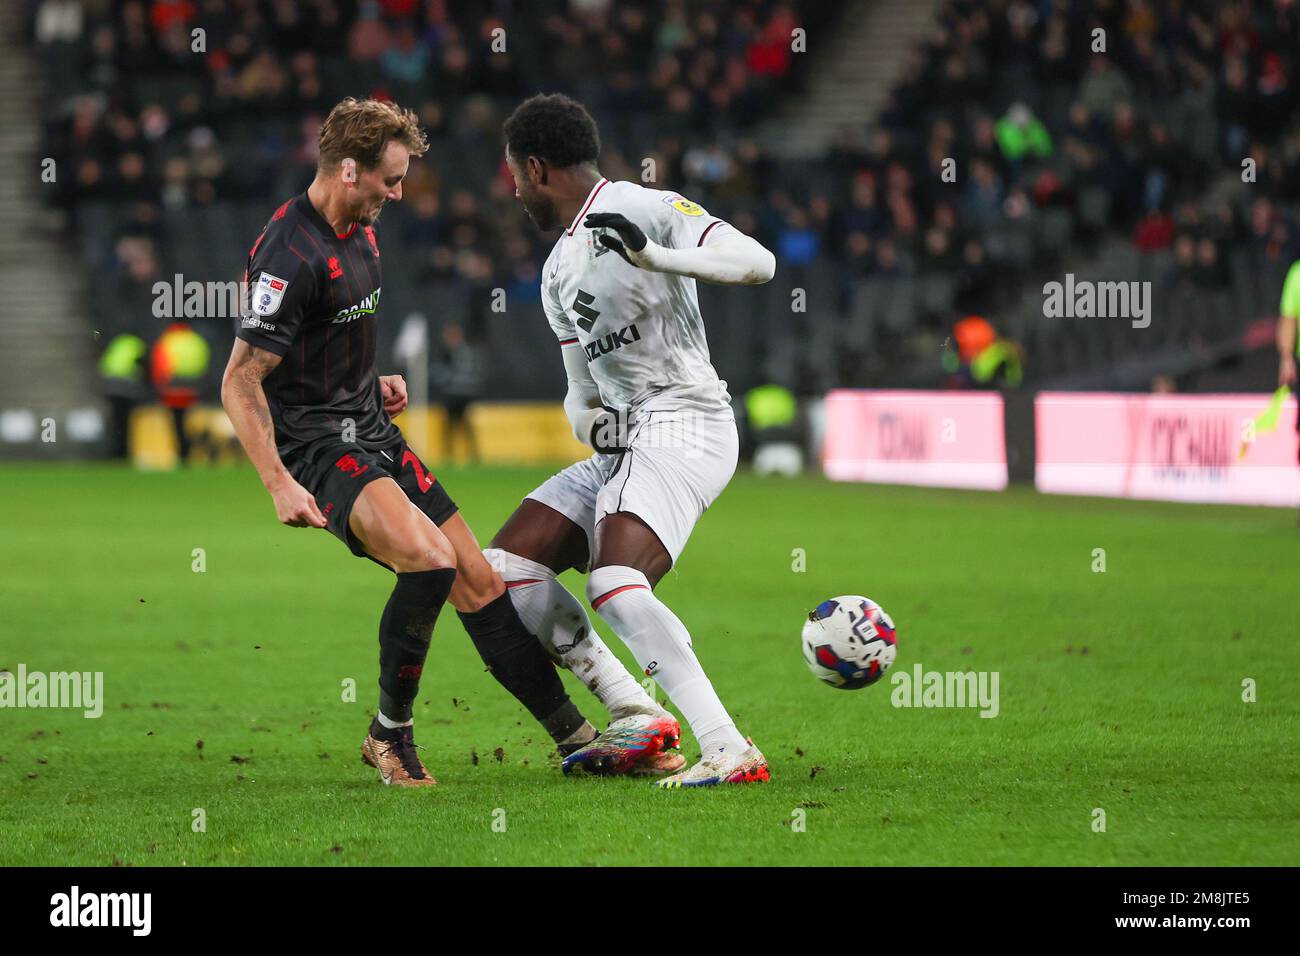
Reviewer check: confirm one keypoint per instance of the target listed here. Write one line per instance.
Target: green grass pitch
(1120, 691)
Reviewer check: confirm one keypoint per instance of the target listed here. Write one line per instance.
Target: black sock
(575, 745)
(516, 659)
(380, 732)
(404, 634)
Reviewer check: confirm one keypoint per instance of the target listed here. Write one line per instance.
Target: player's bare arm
(244, 399)
(726, 256)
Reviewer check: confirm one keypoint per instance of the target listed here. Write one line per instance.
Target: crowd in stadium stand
(1178, 96)
(1055, 146)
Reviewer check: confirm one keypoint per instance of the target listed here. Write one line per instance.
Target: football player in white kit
(619, 292)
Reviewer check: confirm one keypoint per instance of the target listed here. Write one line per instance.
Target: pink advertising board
(945, 439)
(1167, 447)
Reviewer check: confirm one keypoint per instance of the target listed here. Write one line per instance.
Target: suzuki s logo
(582, 305)
(614, 340)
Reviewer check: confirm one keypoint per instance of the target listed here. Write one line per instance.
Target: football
(849, 642)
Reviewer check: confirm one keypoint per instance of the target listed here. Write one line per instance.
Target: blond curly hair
(361, 129)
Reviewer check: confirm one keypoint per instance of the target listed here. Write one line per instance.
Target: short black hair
(554, 128)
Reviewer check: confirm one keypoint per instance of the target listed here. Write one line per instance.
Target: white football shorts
(676, 465)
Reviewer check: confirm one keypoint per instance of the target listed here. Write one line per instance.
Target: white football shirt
(641, 331)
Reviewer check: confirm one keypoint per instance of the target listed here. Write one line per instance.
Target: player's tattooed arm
(245, 402)
(244, 399)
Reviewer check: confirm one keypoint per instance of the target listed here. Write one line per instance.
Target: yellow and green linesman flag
(1266, 420)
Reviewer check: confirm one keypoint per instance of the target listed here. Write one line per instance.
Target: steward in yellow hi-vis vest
(121, 371)
(982, 358)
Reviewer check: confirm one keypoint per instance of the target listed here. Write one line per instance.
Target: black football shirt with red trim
(313, 298)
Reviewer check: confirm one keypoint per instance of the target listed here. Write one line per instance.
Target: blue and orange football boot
(637, 744)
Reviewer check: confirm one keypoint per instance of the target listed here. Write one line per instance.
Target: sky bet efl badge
(270, 290)
(684, 206)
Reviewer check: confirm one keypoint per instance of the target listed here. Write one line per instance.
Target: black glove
(609, 432)
(629, 233)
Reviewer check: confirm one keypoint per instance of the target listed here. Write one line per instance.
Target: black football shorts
(336, 472)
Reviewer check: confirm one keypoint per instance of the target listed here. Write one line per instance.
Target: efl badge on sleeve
(684, 206)
(269, 292)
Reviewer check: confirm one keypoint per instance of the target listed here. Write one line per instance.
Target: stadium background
(1123, 165)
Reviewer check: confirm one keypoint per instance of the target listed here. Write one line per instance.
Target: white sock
(662, 646)
(560, 622)
(392, 724)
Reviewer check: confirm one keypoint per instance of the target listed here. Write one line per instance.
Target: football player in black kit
(314, 417)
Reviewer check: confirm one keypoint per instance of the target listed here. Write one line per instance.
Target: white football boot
(719, 765)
